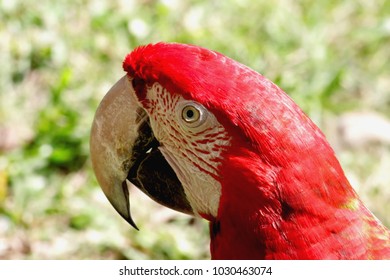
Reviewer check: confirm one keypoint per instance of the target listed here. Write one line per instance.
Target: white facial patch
(192, 141)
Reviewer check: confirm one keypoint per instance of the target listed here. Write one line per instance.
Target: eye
(192, 114)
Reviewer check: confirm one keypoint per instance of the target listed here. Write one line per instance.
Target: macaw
(205, 135)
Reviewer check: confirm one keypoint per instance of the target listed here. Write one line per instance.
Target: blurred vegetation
(58, 58)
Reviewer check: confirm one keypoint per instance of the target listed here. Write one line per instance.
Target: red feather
(284, 193)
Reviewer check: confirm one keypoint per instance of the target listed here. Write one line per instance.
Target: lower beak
(124, 149)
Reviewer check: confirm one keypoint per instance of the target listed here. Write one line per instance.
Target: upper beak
(112, 137)
(123, 148)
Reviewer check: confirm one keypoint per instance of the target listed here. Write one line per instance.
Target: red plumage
(284, 193)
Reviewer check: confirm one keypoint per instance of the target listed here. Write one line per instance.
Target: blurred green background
(58, 58)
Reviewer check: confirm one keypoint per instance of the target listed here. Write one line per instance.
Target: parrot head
(205, 135)
(186, 124)
(149, 131)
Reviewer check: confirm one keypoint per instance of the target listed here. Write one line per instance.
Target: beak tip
(131, 222)
(127, 214)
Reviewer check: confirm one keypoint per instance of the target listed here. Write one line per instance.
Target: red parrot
(205, 135)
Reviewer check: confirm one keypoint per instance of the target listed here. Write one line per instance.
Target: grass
(60, 57)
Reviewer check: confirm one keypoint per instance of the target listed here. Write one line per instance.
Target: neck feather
(277, 213)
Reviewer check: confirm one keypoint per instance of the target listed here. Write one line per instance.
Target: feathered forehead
(154, 60)
(196, 73)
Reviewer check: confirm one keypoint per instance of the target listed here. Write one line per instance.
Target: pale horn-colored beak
(113, 134)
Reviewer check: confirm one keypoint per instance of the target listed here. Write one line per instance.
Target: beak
(125, 152)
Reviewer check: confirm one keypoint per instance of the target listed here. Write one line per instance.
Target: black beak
(152, 174)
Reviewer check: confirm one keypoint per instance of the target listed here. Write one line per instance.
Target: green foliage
(60, 57)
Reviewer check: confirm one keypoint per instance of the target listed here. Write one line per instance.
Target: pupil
(190, 114)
